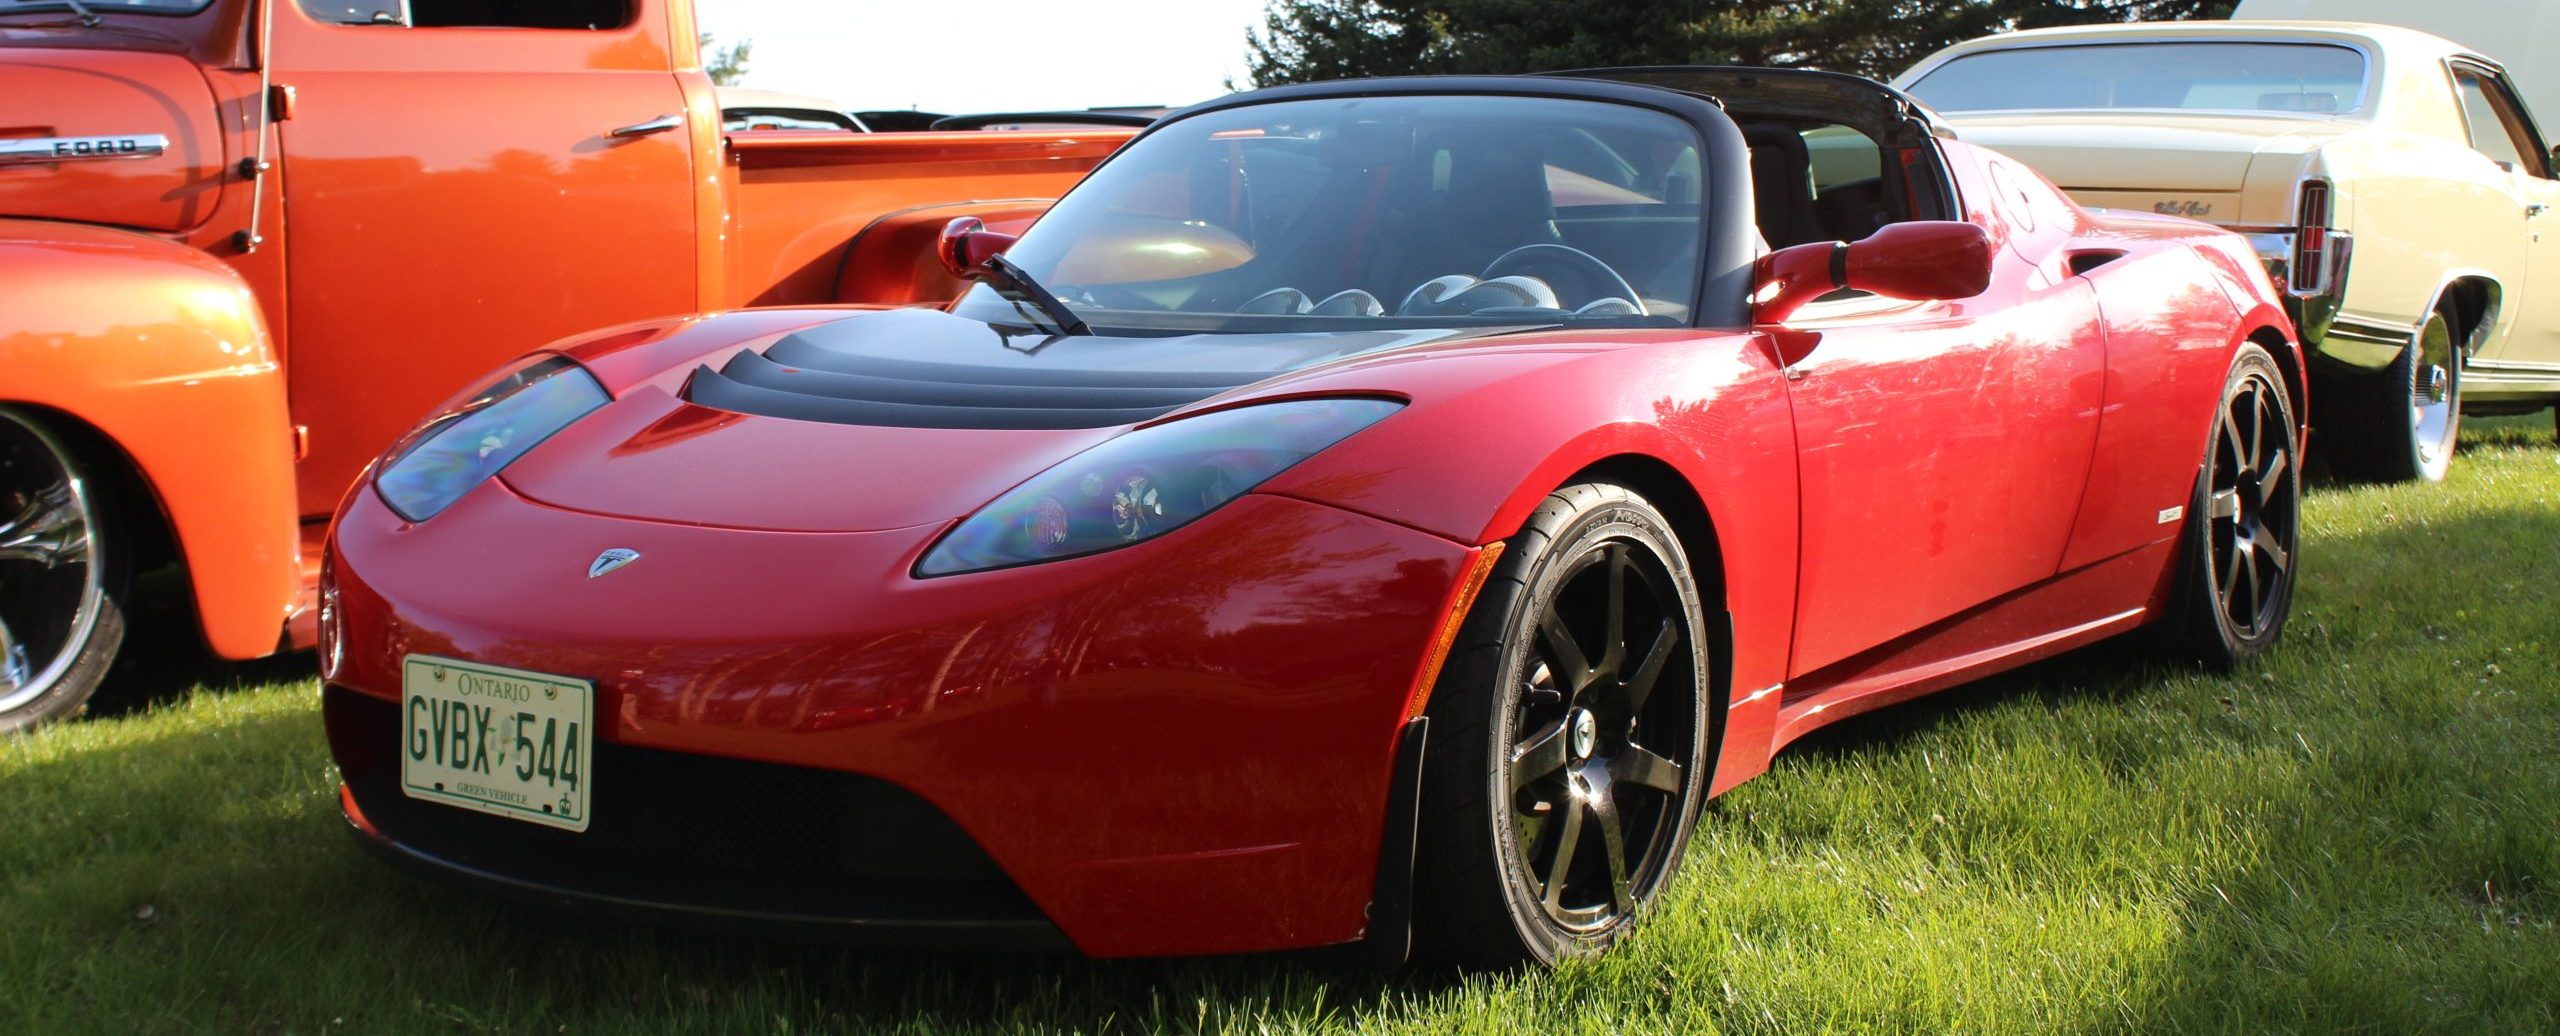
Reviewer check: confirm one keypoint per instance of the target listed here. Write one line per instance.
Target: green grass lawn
(2360, 834)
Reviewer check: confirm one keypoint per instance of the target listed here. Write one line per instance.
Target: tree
(726, 65)
(1308, 40)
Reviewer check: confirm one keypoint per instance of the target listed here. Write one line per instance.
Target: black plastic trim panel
(706, 843)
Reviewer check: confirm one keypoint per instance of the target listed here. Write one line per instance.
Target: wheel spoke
(2231, 438)
(1541, 756)
(1614, 840)
(48, 531)
(2225, 503)
(1553, 894)
(2231, 565)
(1666, 642)
(1613, 640)
(2269, 482)
(2267, 547)
(13, 660)
(1566, 654)
(2247, 403)
(1639, 765)
(2257, 594)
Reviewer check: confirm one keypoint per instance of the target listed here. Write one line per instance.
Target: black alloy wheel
(2244, 529)
(60, 622)
(1569, 738)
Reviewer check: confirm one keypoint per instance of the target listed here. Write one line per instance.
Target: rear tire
(2398, 424)
(63, 576)
(2243, 530)
(1568, 750)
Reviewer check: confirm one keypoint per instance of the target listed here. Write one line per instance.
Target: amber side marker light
(1461, 601)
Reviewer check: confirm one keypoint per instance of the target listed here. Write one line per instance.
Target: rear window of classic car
(2303, 78)
(1381, 212)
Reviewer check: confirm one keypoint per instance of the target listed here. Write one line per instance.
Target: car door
(454, 196)
(2500, 130)
(1942, 446)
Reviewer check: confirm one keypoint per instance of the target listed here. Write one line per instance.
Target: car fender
(162, 350)
(1492, 428)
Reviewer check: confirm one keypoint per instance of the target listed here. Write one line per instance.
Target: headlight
(1147, 483)
(482, 431)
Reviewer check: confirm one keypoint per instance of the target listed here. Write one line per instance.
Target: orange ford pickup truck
(244, 244)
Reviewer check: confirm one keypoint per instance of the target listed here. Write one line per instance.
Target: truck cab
(244, 244)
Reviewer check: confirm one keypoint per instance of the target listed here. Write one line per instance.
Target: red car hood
(898, 418)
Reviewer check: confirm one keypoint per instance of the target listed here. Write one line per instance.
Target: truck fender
(161, 350)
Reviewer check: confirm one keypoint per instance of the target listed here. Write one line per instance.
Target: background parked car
(2523, 35)
(2391, 179)
(237, 259)
(745, 109)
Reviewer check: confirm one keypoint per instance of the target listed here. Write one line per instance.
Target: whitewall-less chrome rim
(51, 583)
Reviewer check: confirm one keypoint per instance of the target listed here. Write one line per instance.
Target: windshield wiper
(1015, 283)
(87, 18)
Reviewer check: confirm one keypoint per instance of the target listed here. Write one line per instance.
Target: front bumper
(1179, 747)
(701, 842)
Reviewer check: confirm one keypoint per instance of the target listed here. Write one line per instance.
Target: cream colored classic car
(2392, 181)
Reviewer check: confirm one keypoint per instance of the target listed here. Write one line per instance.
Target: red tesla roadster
(1374, 511)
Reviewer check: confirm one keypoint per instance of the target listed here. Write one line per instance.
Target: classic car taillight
(2311, 239)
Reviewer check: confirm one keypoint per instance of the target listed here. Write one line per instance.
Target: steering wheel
(1583, 270)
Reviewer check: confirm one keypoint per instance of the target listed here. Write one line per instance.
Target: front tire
(2244, 523)
(61, 620)
(2398, 424)
(1569, 731)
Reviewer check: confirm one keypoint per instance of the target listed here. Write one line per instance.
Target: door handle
(660, 124)
(2535, 211)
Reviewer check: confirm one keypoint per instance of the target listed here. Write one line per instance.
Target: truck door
(455, 196)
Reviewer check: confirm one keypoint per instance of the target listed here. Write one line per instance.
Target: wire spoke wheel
(51, 580)
(1598, 769)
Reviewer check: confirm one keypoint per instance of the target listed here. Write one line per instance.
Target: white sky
(961, 56)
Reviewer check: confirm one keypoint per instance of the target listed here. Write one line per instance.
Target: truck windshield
(108, 6)
(1379, 212)
(2300, 78)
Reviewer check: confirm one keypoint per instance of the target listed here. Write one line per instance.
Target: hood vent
(801, 380)
(920, 368)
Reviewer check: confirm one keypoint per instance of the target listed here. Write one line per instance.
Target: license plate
(497, 740)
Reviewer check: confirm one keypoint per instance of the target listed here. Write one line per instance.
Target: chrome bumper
(2314, 309)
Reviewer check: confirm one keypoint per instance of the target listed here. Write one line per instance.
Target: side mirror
(966, 245)
(1927, 260)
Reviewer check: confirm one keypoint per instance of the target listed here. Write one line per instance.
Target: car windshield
(108, 6)
(1378, 212)
(2301, 78)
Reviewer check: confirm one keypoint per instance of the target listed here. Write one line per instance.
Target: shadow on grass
(165, 658)
(2404, 836)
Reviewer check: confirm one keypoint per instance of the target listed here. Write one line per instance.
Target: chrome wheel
(2435, 397)
(52, 586)
(1599, 766)
(2253, 508)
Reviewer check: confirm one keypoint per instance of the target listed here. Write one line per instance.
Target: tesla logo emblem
(612, 559)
